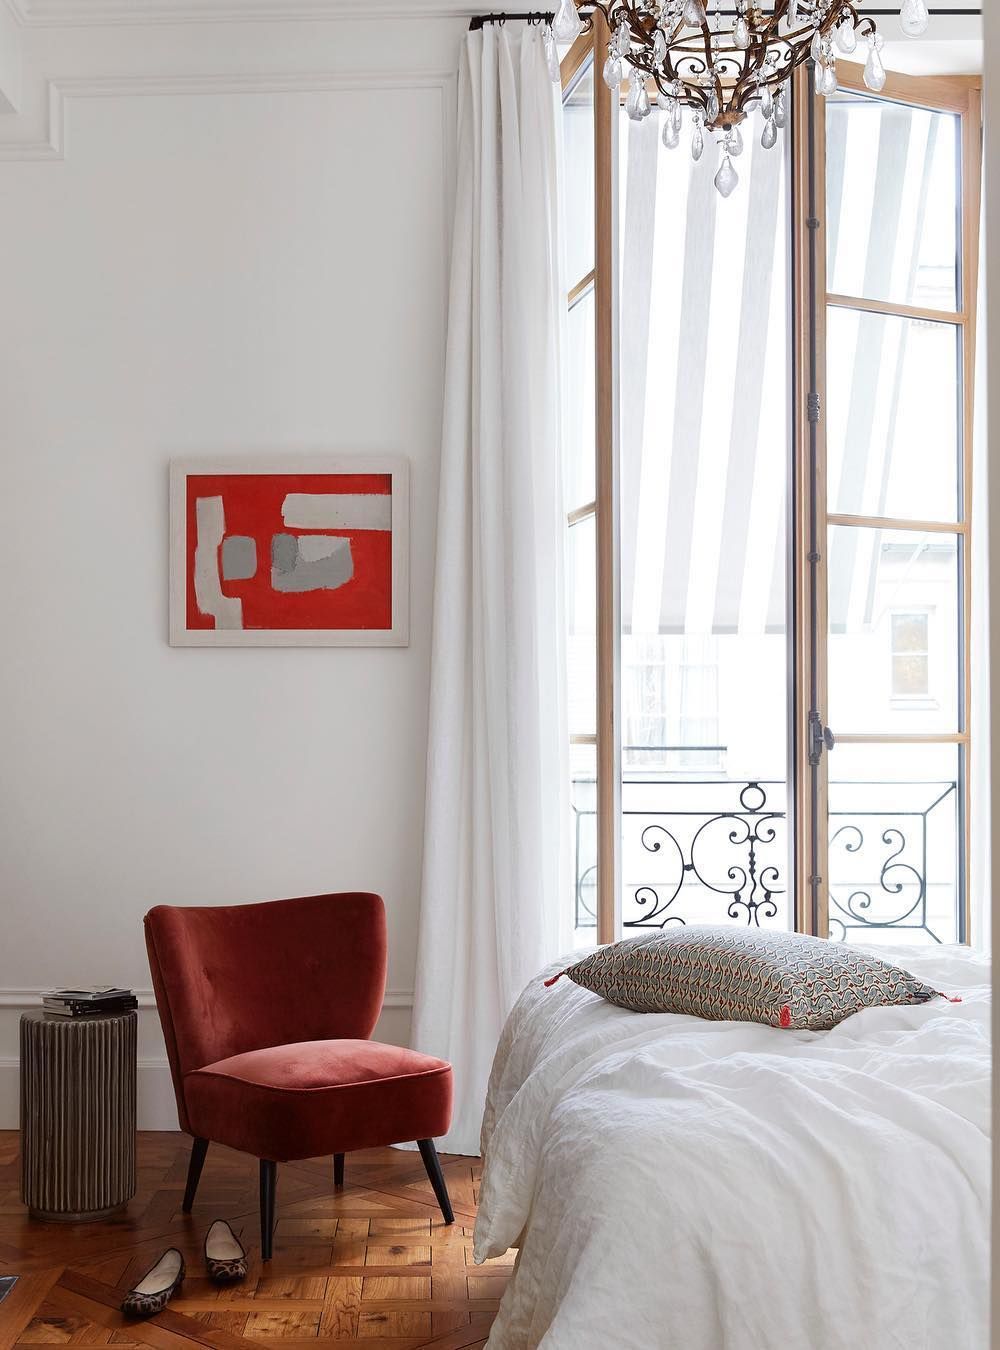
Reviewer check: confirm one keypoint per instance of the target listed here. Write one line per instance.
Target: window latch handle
(820, 738)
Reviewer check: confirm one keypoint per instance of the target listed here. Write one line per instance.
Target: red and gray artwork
(289, 551)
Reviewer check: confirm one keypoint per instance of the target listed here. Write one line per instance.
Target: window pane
(578, 176)
(893, 418)
(579, 405)
(873, 573)
(909, 632)
(583, 913)
(894, 834)
(893, 199)
(910, 677)
(704, 463)
(581, 596)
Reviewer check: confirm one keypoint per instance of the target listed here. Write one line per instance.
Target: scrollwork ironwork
(737, 853)
(734, 853)
(749, 888)
(871, 904)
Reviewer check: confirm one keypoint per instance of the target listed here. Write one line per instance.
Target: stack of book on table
(88, 1002)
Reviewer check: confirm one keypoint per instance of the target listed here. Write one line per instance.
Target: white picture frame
(181, 635)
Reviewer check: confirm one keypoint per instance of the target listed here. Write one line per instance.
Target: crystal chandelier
(722, 67)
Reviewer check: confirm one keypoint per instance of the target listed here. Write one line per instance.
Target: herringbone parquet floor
(371, 1267)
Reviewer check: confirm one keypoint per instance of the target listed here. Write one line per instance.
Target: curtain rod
(976, 13)
(481, 20)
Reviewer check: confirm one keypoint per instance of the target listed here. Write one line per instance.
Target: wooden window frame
(808, 808)
(961, 96)
(602, 281)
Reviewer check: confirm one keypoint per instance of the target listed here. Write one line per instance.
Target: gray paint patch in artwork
(239, 557)
(284, 553)
(332, 568)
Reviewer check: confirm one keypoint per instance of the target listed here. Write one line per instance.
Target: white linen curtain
(497, 811)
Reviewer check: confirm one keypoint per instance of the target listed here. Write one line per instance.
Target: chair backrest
(244, 977)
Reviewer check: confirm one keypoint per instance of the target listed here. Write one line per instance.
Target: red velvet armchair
(267, 1011)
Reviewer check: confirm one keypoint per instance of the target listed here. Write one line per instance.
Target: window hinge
(820, 738)
(812, 406)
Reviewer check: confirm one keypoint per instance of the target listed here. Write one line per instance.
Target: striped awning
(891, 238)
(705, 364)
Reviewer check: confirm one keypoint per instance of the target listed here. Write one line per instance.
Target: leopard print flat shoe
(157, 1287)
(224, 1255)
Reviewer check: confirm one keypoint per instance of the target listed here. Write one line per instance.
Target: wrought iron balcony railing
(714, 850)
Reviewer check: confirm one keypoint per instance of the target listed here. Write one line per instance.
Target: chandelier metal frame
(701, 64)
(721, 72)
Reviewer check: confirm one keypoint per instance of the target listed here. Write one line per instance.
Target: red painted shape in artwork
(252, 506)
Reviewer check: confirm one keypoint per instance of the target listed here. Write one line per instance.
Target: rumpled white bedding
(699, 1185)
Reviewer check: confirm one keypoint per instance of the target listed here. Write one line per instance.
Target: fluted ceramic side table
(78, 1089)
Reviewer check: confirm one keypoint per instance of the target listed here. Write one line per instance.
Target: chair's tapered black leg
(432, 1165)
(199, 1147)
(268, 1185)
(338, 1169)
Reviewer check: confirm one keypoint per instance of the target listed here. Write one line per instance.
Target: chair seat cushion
(313, 1098)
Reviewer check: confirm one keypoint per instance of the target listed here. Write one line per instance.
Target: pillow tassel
(554, 978)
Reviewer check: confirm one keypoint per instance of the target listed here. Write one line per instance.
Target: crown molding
(24, 1000)
(81, 13)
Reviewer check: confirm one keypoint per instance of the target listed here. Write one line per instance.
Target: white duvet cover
(688, 1185)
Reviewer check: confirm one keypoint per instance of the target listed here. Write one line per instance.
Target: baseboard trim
(156, 1109)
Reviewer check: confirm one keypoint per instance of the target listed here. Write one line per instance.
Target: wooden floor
(372, 1266)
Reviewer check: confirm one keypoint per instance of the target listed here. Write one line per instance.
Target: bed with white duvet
(689, 1185)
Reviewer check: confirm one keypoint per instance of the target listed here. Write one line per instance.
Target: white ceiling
(131, 11)
(952, 45)
(959, 57)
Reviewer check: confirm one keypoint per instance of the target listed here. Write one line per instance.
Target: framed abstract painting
(303, 552)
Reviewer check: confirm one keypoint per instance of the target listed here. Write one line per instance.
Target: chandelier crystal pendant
(723, 67)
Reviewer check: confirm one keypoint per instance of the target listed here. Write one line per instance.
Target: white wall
(215, 237)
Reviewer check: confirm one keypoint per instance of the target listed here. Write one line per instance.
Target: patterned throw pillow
(745, 975)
